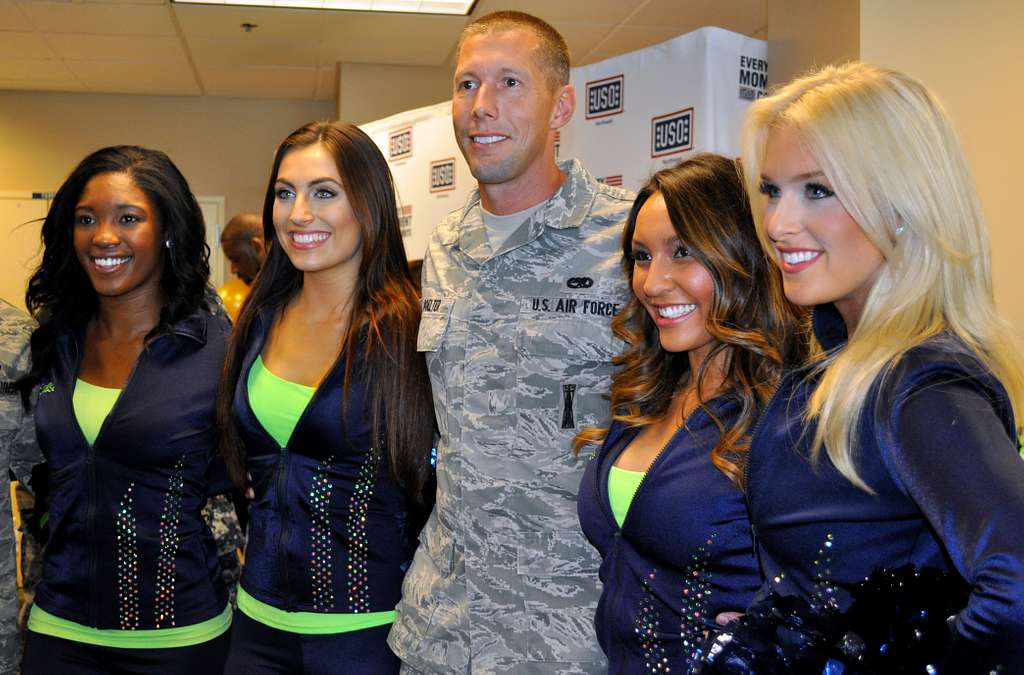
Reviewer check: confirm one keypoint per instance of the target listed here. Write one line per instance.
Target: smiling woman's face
(313, 219)
(118, 236)
(672, 285)
(823, 253)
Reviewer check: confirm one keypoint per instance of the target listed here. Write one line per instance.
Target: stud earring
(167, 243)
(901, 228)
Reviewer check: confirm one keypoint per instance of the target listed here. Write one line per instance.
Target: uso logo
(672, 133)
(605, 97)
(400, 143)
(442, 175)
(405, 220)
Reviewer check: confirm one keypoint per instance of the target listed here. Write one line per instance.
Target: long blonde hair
(894, 160)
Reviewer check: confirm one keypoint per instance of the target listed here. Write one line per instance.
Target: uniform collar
(567, 208)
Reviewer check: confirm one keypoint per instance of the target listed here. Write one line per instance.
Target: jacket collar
(192, 326)
(829, 327)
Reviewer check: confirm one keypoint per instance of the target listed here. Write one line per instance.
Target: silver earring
(167, 243)
(901, 228)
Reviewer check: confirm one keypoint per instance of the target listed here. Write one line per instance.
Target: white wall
(970, 55)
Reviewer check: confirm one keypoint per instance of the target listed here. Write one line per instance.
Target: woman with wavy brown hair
(708, 333)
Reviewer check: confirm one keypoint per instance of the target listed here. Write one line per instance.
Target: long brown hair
(384, 304)
(750, 320)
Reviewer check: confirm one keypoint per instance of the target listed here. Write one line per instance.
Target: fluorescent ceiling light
(457, 7)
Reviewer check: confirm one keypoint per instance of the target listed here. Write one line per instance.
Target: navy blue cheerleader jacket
(683, 554)
(329, 528)
(937, 444)
(129, 547)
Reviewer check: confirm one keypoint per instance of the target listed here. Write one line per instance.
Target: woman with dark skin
(126, 360)
(325, 404)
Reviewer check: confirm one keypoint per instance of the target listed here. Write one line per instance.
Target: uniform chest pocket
(563, 377)
(437, 313)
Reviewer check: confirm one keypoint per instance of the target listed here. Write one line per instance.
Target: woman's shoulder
(942, 361)
(943, 357)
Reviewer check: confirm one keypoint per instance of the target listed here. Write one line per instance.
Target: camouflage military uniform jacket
(519, 346)
(18, 451)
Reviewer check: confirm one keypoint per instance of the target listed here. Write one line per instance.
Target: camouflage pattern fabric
(519, 347)
(18, 453)
(220, 515)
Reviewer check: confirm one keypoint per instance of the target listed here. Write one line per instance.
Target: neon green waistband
(309, 623)
(42, 622)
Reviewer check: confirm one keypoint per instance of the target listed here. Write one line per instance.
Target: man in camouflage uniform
(516, 331)
(18, 453)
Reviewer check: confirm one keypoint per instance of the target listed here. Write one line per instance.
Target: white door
(21, 219)
(213, 214)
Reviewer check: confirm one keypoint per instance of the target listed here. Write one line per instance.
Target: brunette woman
(327, 413)
(707, 332)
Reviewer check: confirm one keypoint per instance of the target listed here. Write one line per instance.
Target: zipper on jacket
(282, 544)
(94, 611)
(654, 461)
(617, 552)
(746, 469)
(90, 460)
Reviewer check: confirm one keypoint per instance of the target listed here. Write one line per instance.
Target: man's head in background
(242, 241)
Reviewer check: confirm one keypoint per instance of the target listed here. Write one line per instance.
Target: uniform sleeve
(25, 452)
(955, 458)
(223, 522)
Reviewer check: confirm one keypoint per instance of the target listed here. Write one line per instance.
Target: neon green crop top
(277, 403)
(622, 486)
(92, 404)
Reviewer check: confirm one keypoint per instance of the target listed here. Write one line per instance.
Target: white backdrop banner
(635, 114)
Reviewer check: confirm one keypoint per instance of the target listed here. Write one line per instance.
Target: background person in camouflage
(519, 288)
(18, 452)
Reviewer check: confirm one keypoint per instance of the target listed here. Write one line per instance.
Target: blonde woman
(898, 445)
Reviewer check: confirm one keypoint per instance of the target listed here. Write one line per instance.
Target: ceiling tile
(391, 39)
(34, 69)
(593, 11)
(100, 19)
(123, 2)
(130, 48)
(24, 46)
(253, 50)
(260, 82)
(221, 23)
(740, 16)
(628, 39)
(582, 38)
(12, 18)
(41, 85)
(135, 78)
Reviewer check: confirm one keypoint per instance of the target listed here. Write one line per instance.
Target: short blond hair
(552, 51)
